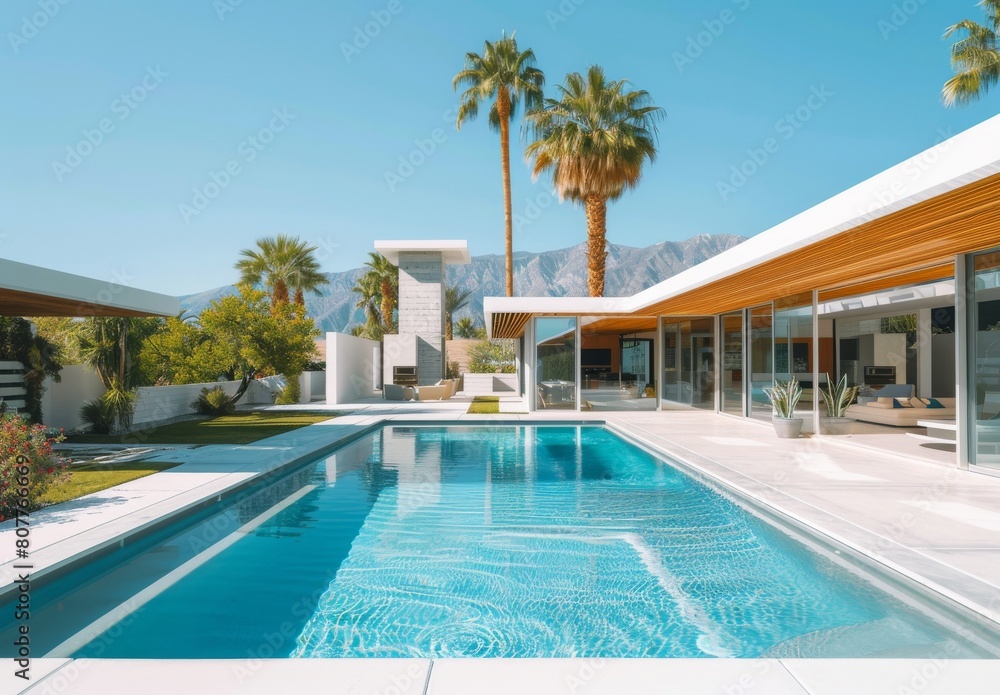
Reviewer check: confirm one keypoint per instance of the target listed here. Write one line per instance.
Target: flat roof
(454, 251)
(28, 290)
(912, 218)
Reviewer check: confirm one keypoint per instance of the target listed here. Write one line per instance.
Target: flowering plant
(28, 466)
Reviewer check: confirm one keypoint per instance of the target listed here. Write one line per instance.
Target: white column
(658, 362)
(815, 360)
(963, 433)
(717, 363)
(925, 373)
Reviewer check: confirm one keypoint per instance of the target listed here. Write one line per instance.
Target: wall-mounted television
(595, 357)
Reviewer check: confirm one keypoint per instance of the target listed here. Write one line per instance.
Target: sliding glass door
(732, 364)
(761, 360)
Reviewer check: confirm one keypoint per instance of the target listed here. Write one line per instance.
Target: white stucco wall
(400, 351)
(350, 368)
(489, 384)
(62, 401)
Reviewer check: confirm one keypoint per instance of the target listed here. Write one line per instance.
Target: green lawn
(240, 428)
(485, 405)
(92, 477)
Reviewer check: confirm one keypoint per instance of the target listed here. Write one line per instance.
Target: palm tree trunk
(503, 110)
(279, 295)
(300, 297)
(597, 229)
(448, 327)
(388, 302)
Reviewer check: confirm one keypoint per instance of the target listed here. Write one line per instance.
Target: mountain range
(551, 273)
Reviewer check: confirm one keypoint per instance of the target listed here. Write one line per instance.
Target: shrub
(290, 394)
(492, 357)
(27, 465)
(97, 413)
(214, 401)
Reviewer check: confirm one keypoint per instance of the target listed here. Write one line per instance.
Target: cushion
(918, 403)
(887, 400)
(901, 403)
(934, 403)
(877, 404)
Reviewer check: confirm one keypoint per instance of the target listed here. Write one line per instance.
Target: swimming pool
(547, 541)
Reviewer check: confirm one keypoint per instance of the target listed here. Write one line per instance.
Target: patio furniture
(395, 392)
(883, 413)
(432, 393)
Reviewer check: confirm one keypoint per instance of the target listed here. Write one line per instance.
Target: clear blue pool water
(481, 542)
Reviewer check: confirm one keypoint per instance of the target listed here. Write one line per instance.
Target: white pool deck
(925, 520)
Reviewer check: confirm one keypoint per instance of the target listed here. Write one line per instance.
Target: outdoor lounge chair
(432, 393)
(394, 392)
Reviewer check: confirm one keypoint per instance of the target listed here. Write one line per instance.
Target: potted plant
(837, 399)
(784, 396)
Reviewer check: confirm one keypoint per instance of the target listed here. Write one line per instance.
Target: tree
(369, 288)
(454, 299)
(507, 77)
(466, 328)
(258, 337)
(594, 140)
(110, 345)
(182, 353)
(41, 359)
(493, 357)
(282, 264)
(975, 57)
(383, 278)
(62, 332)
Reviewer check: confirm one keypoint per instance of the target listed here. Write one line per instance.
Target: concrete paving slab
(11, 684)
(611, 677)
(243, 676)
(880, 676)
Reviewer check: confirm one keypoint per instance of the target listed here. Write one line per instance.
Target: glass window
(793, 343)
(985, 329)
(761, 361)
(732, 364)
(689, 362)
(555, 363)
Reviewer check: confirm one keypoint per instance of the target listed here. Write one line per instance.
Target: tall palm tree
(369, 288)
(595, 140)
(507, 77)
(975, 58)
(386, 275)
(281, 264)
(454, 299)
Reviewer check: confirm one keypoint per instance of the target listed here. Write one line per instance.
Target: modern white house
(894, 282)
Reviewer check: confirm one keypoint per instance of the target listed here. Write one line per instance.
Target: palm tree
(386, 275)
(595, 140)
(506, 76)
(975, 58)
(454, 299)
(466, 328)
(282, 263)
(369, 288)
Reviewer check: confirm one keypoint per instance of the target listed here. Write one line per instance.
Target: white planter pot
(835, 425)
(787, 428)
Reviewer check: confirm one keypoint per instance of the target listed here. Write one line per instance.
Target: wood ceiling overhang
(914, 245)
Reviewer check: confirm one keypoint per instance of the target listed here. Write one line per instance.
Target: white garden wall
(490, 384)
(62, 401)
(351, 368)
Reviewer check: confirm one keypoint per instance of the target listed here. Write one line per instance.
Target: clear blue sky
(208, 84)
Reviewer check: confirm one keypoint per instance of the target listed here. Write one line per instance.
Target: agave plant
(784, 396)
(838, 398)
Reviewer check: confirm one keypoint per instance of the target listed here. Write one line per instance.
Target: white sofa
(901, 417)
